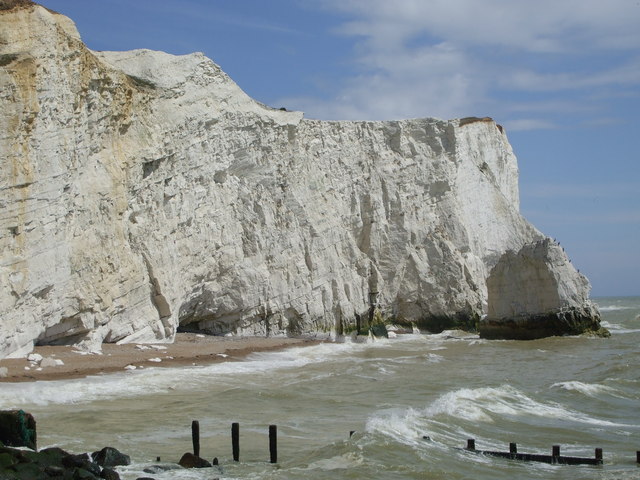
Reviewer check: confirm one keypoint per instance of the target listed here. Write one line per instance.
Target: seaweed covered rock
(17, 429)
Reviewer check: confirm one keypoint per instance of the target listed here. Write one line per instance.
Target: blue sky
(563, 77)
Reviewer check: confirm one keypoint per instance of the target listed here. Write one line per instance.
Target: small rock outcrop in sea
(144, 192)
(110, 457)
(189, 460)
(18, 429)
(538, 278)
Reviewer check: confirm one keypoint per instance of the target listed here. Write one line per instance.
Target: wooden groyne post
(235, 441)
(195, 437)
(273, 443)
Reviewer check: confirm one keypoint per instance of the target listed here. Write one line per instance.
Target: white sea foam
(481, 405)
(589, 389)
(340, 462)
(137, 470)
(616, 328)
(404, 425)
(614, 308)
(153, 380)
(455, 335)
(434, 358)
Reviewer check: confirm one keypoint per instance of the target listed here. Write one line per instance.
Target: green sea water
(577, 392)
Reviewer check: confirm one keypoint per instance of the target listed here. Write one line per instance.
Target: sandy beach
(188, 349)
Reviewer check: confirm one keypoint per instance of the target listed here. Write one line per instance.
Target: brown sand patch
(188, 349)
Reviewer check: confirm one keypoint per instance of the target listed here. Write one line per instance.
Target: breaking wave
(589, 389)
(479, 405)
(614, 308)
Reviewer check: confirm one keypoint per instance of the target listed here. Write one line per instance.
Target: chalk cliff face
(142, 192)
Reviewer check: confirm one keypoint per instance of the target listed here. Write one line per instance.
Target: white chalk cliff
(141, 192)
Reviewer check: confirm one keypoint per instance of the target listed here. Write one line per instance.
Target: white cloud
(627, 74)
(448, 59)
(544, 25)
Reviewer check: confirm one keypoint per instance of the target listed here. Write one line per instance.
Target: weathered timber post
(235, 441)
(638, 456)
(195, 437)
(599, 454)
(555, 451)
(513, 448)
(273, 443)
(471, 444)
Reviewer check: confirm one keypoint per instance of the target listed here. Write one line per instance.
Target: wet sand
(188, 349)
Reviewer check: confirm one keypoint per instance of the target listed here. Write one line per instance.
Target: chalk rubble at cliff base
(144, 192)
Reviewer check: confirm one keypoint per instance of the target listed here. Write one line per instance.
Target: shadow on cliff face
(571, 321)
(459, 321)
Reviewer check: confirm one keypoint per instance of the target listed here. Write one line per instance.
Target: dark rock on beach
(54, 462)
(108, 474)
(110, 457)
(17, 429)
(189, 460)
